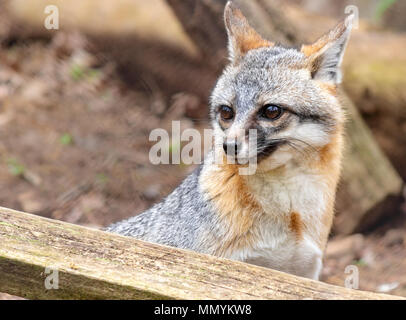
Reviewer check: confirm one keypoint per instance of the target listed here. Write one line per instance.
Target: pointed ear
(326, 54)
(241, 36)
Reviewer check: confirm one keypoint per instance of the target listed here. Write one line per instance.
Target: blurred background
(77, 105)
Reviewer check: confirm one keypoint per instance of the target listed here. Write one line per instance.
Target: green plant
(66, 139)
(383, 5)
(15, 168)
(77, 72)
(101, 178)
(360, 263)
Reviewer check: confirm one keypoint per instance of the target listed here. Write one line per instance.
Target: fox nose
(231, 147)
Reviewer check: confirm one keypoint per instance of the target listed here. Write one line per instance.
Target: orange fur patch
(329, 166)
(330, 88)
(311, 49)
(235, 206)
(252, 41)
(331, 153)
(296, 225)
(246, 38)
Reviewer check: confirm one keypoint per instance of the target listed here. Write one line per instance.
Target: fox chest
(267, 220)
(279, 247)
(284, 235)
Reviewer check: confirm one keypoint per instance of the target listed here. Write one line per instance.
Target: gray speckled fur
(178, 221)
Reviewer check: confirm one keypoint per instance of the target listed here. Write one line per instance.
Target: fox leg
(308, 260)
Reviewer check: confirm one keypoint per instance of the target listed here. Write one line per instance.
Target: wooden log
(210, 39)
(203, 22)
(368, 177)
(93, 264)
(375, 80)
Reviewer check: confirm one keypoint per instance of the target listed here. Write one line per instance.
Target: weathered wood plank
(94, 264)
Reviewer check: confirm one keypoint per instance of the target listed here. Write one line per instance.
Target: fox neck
(299, 195)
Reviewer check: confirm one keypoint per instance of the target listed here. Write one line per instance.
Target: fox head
(288, 96)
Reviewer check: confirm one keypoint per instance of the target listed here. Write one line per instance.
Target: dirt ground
(74, 146)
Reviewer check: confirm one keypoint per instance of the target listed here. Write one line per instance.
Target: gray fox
(280, 217)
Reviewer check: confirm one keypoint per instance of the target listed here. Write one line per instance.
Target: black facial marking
(270, 148)
(315, 118)
(265, 146)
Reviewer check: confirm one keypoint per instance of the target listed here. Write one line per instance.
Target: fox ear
(326, 54)
(241, 36)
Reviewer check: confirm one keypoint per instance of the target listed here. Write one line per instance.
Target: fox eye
(271, 111)
(226, 113)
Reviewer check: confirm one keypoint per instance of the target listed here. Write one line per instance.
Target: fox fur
(280, 217)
